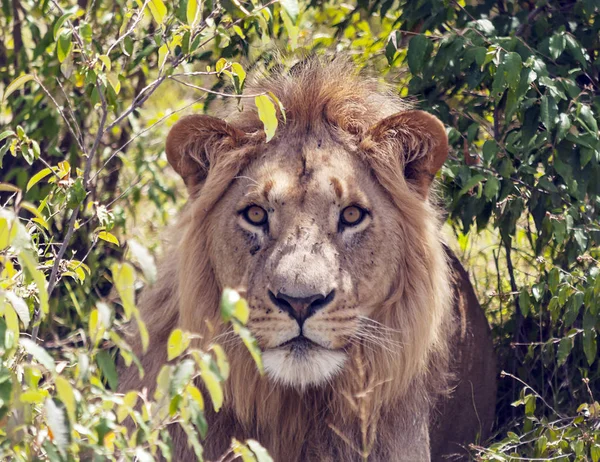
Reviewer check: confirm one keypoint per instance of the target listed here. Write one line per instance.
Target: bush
(88, 93)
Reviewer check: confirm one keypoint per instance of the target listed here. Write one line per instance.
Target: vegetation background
(88, 92)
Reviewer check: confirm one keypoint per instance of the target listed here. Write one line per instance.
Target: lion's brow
(337, 187)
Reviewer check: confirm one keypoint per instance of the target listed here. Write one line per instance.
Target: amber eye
(352, 216)
(255, 215)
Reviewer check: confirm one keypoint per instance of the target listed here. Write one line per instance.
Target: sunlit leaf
(39, 353)
(177, 343)
(17, 84)
(267, 115)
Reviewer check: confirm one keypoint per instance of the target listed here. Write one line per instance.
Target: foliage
(88, 90)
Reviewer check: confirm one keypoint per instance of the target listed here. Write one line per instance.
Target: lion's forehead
(306, 177)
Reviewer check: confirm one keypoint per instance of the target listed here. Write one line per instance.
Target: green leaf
(512, 66)
(576, 50)
(470, 184)
(291, 7)
(19, 306)
(29, 262)
(548, 111)
(564, 349)
(178, 342)
(124, 280)
(59, 24)
(587, 117)
(492, 186)
(6, 134)
(419, 49)
(557, 45)
(595, 452)
(563, 126)
(222, 362)
(64, 45)
(267, 115)
(524, 302)
(39, 353)
(590, 347)
(15, 85)
(107, 366)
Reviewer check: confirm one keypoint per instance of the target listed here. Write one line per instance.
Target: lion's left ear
(419, 142)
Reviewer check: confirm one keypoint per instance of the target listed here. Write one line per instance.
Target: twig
(227, 95)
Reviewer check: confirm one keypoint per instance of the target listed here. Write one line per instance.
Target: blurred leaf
(124, 280)
(15, 85)
(58, 425)
(107, 366)
(39, 353)
(67, 396)
(267, 115)
(108, 237)
(178, 342)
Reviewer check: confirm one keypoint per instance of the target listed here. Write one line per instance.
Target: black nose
(301, 308)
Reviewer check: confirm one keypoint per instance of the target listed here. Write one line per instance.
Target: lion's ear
(194, 142)
(418, 140)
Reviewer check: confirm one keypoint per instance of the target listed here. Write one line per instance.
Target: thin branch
(226, 95)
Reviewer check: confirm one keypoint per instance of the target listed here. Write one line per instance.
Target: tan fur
(346, 140)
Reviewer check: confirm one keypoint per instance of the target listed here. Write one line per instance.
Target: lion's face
(307, 231)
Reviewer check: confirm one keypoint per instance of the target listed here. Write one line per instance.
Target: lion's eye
(255, 215)
(352, 216)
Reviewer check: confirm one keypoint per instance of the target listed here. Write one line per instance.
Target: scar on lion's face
(313, 224)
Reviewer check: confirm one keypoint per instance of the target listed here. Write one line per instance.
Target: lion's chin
(304, 367)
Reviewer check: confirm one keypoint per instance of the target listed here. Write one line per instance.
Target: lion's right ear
(195, 141)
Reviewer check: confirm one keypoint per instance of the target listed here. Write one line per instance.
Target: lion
(373, 342)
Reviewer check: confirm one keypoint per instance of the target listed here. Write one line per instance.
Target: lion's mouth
(299, 343)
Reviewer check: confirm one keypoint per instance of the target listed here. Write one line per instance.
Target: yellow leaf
(221, 63)
(32, 397)
(37, 177)
(108, 237)
(163, 53)
(177, 344)
(211, 381)
(222, 362)
(241, 311)
(158, 10)
(143, 331)
(66, 395)
(195, 394)
(95, 328)
(192, 12)
(106, 61)
(16, 84)
(8, 232)
(124, 280)
(267, 114)
(239, 70)
(129, 402)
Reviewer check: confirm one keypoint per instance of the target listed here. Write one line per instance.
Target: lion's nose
(301, 308)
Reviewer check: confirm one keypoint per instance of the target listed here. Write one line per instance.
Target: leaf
(470, 184)
(59, 24)
(178, 342)
(39, 353)
(58, 425)
(182, 375)
(16, 84)
(107, 366)
(261, 453)
(39, 279)
(563, 126)
(291, 7)
(557, 45)
(192, 13)
(145, 259)
(251, 345)
(267, 115)
(163, 54)
(158, 10)
(419, 49)
(6, 134)
(492, 186)
(524, 302)
(590, 347)
(222, 362)
(548, 111)
(124, 280)
(595, 452)
(211, 381)
(512, 66)
(564, 349)
(587, 117)
(108, 237)
(64, 45)
(19, 306)
(37, 177)
(67, 396)
(129, 402)
(106, 61)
